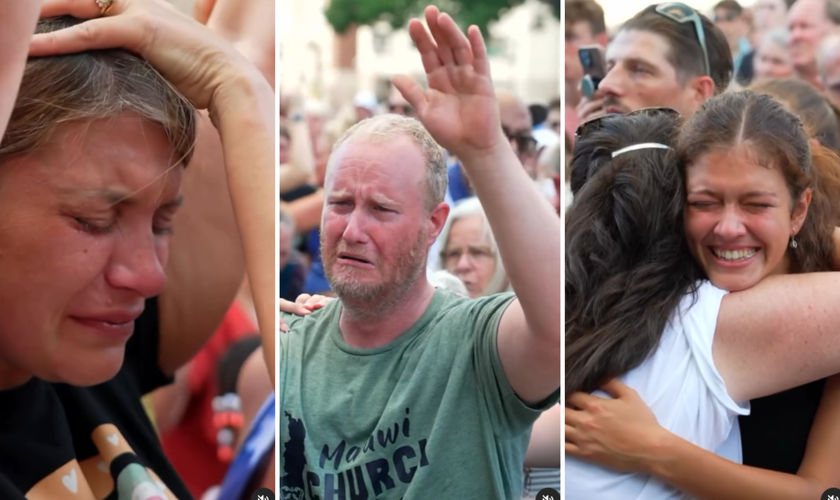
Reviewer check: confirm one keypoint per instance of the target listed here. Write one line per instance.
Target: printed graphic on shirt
(110, 442)
(65, 483)
(93, 480)
(98, 475)
(135, 483)
(387, 461)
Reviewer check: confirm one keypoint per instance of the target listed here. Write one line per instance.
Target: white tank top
(680, 383)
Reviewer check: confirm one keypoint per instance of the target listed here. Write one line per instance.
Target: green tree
(342, 14)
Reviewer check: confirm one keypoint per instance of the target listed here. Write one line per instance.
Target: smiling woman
(744, 218)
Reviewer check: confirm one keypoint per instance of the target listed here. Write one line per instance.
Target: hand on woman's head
(191, 57)
(91, 167)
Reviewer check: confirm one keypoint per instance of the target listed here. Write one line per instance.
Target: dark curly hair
(628, 265)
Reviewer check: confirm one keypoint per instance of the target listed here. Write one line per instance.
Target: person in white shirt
(640, 309)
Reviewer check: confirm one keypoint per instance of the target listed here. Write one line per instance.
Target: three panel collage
(319, 249)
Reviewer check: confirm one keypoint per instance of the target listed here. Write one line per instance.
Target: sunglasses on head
(682, 13)
(598, 123)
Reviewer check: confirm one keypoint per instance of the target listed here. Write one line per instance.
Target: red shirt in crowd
(191, 446)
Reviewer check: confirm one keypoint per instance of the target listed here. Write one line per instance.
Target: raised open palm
(459, 109)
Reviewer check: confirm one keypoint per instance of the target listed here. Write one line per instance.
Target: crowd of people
(419, 284)
(136, 165)
(702, 245)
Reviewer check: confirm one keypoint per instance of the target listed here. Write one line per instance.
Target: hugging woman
(702, 238)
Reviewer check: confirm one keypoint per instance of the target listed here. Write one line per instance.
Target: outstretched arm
(461, 112)
(779, 334)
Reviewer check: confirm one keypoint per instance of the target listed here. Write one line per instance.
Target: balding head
(828, 53)
(828, 63)
(514, 114)
(809, 21)
(390, 127)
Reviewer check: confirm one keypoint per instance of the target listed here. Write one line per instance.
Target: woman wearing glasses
(696, 354)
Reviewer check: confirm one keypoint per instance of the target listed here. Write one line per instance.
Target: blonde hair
(387, 127)
(89, 86)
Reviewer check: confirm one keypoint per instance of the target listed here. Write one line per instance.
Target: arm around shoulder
(779, 334)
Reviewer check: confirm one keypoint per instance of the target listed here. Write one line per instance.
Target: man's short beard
(373, 300)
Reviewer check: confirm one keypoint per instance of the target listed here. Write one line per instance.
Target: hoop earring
(793, 244)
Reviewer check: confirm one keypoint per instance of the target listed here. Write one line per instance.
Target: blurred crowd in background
(788, 48)
(767, 39)
(318, 107)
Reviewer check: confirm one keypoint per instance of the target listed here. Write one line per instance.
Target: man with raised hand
(397, 390)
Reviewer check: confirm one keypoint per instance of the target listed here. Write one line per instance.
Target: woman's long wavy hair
(628, 265)
(821, 120)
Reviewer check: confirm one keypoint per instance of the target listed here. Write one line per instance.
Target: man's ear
(703, 89)
(437, 219)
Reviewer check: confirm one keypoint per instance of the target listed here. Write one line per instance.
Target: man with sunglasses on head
(667, 55)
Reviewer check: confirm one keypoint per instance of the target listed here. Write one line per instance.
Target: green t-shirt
(429, 416)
